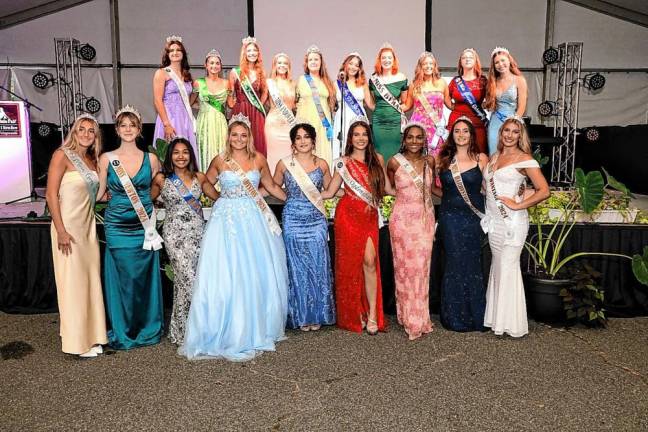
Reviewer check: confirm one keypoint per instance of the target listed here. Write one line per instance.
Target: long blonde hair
(71, 141)
(251, 150)
(273, 71)
(419, 75)
(525, 142)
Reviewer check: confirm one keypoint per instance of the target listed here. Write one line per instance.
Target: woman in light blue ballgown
(240, 298)
(310, 294)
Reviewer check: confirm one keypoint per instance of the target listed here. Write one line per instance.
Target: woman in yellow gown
(71, 188)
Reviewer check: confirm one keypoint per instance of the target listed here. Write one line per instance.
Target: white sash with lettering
(439, 122)
(458, 181)
(89, 177)
(256, 196)
(305, 183)
(388, 97)
(152, 240)
(416, 178)
(279, 103)
(183, 94)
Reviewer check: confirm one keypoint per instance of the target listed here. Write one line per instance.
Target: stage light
(44, 130)
(547, 108)
(592, 134)
(87, 52)
(42, 80)
(92, 105)
(594, 81)
(550, 56)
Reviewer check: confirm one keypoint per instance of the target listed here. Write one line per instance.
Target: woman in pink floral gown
(411, 227)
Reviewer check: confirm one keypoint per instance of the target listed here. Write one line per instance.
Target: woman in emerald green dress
(389, 90)
(211, 124)
(132, 284)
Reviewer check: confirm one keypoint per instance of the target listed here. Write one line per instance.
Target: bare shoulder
(321, 163)
(381, 159)
(159, 178)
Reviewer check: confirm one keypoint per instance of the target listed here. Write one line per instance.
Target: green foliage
(642, 217)
(168, 271)
(583, 301)
(387, 206)
(589, 188)
(542, 160)
(640, 266)
(329, 206)
(160, 149)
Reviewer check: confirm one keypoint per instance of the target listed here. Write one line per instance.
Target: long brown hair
(323, 75)
(419, 75)
(184, 64)
(360, 79)
(258, 65)
(376, 174)
(490, 102)
(449, 147)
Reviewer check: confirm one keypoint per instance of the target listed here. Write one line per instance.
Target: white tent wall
(337, 26)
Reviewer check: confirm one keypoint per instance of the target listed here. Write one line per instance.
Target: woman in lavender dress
(172, 95)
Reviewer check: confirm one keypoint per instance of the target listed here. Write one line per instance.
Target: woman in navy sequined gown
(463, 294)
(305, 233)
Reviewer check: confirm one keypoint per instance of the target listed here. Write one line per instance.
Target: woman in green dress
(211, 124)
(132, 284)
(389, 90)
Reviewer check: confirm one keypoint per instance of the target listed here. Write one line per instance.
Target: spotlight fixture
(594, 81)
(44, 130)
(547, 108)
(92, 105)
(42, 80)
(550, 56)
(87, 52)
(592, 134)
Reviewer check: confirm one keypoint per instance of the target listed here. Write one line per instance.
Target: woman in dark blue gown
(463, 293)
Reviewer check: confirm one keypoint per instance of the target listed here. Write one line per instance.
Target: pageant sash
(186, 194)
(318, 104)
(350, 100)
(440, 130)
(251, 95)
(183, 94)
(256, 197)
(470, 98)
(416, 178)
(89, 177)
(500, 116)
(280, 104)
(205, 96)
(388, 97)
(152, 240)
(352, 183)
(458, 181)
(305, 183)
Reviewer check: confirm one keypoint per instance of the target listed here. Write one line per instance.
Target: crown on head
(386, 45)
(248, 40)
(515, 117)
(213, 53)
(281, 54)
(499, 49)
(87, 116)
(462, 118)
(360, 118)
(313, 49)
(426, 54)
(174, 38)
(354, 54)
(240, 118)
(128, 109)
(414, 123)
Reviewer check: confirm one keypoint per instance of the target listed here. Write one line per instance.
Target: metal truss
(68, 82)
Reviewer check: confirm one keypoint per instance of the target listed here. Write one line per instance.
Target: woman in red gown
(357, 268)
(250, 74)
(469, 71)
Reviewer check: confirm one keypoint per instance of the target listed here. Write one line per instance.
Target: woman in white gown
(507, 223)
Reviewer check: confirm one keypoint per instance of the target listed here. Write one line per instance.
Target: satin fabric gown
(435, 99)
(240, 300)
(463, 292)
(211, 124)
(411, 228)
(179, 118)
(257, 118)
(506, 107)
(78, 278)
(505, 301)
(307, 110)
(386, 121)
(355, 223)
(340, 131)
(305, 233)
(182, 232)
(462, 108)
(277, 130)
(132, 284)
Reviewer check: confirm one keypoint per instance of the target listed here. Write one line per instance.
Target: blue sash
(350, 100)
(500, 116)
(318, 104)
(468, 97)
(186, 194)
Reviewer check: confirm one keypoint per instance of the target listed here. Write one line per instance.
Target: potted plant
(548, 275)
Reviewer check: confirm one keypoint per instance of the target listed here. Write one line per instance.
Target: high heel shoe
(372, 327)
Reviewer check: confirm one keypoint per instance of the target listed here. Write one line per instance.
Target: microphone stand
(342, 79)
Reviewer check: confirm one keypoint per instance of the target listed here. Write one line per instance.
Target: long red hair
(490, 101)
(323, 75)
(419, 75)
(378, 66)
(258, 65)
(476, 68)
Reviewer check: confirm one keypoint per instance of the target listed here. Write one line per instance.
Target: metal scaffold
(68, 82)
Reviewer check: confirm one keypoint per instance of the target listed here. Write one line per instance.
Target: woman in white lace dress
(508, 224)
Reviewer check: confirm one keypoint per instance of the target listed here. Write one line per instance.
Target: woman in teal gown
(132, 284)
(386, 120)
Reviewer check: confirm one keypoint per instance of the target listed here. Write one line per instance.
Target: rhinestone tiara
(462, 118)
(240, 118)
(313, 49)
(499, 49)
(386, 45)
(174, 38)
(87, 116)
(426, 54)
(128, 109)
(360, 118)
(213, 53)
(354, 54)
(248, 40)
(413, 123)
(281, 54)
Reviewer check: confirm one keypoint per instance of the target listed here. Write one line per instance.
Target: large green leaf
(590, 189)
(616, 184)
(160, 149)
(640, 266)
